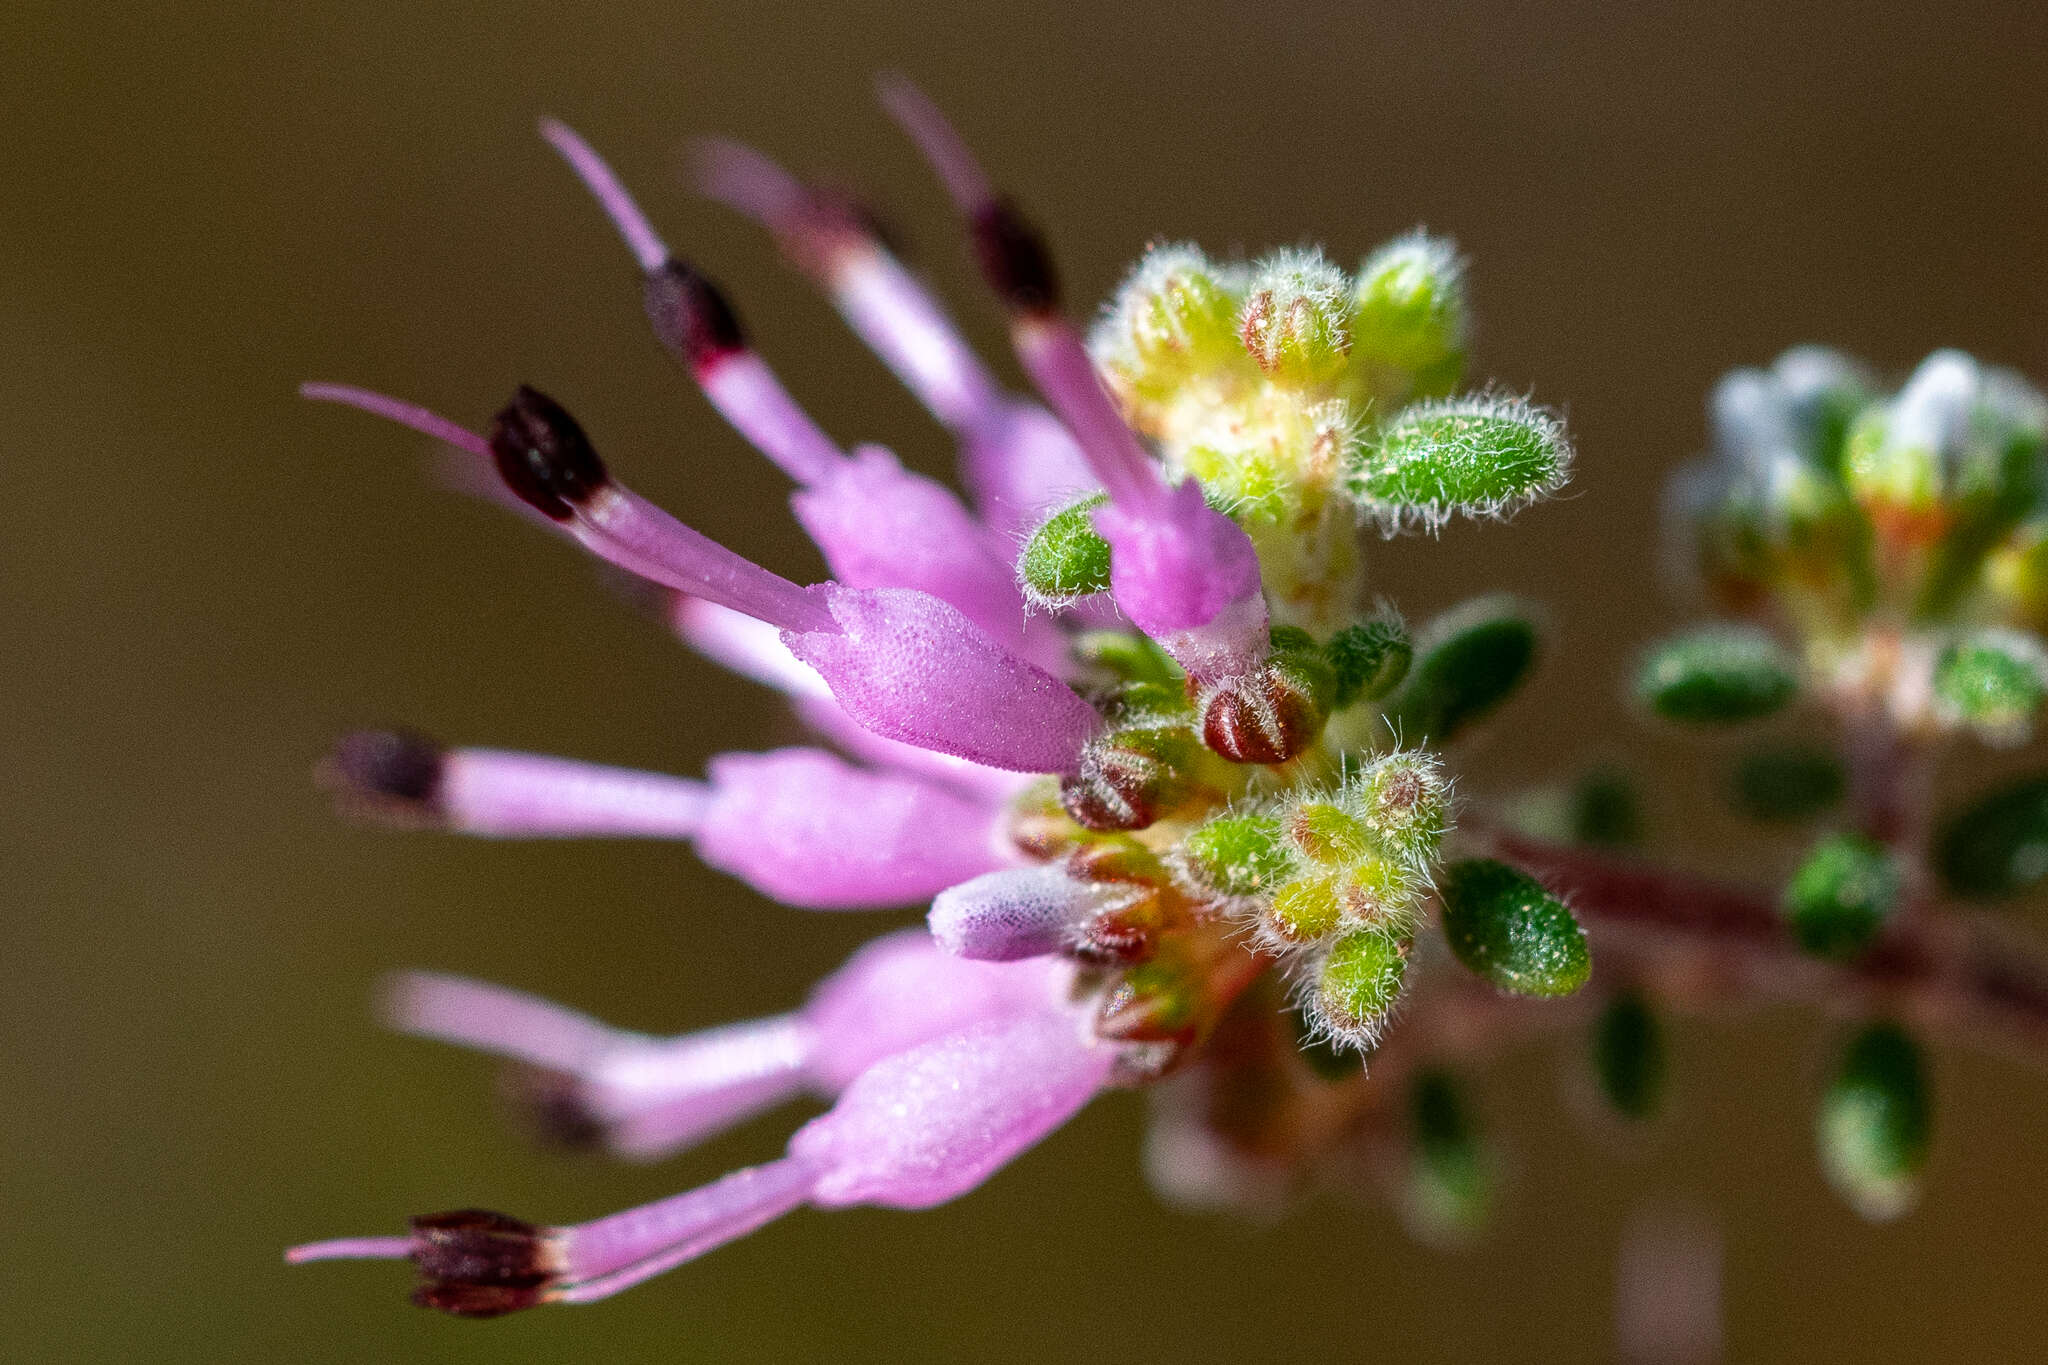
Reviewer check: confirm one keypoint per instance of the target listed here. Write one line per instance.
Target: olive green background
(202, 578)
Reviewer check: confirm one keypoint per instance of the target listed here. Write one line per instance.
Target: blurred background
(205, 578)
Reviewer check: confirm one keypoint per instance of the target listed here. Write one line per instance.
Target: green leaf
(1875, 1123)
(1478, 455)
(1842, 895)
(1066, 557)
(1605, 811)
(1450, 1180)
(1505, 927)
(1717, 676)
(1998, 845)
(1993, 682)
(1469, 661)
(1628, 1056)
(1788, 783)
(1370, 659)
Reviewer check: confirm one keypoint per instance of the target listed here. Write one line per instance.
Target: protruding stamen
(1018, 267)
(695, 323)
(546, 459)
(883, 302)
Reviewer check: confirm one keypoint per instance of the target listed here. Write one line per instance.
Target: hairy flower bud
(1296, 318)
(1353, 986)
(1173, 318)
(1066, 558)
(1275, 712)
(1235, 857)
(1409, 316)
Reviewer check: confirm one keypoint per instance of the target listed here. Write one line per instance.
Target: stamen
(1018, 267)
(351, 1249)
(610, 1254)
(514, 795)
(883, 302)
(392, 776)
(546, 458)
(696, 324)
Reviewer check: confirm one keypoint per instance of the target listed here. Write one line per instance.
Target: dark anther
(478, 1264)
(690, 316)
(1014, 259)
(392, 774)
(543, 455)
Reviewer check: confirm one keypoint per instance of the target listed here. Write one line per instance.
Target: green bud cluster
(1837, 500)
(1303, 397)
(1331, 881)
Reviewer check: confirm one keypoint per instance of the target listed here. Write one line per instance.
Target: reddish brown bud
(1267, 717)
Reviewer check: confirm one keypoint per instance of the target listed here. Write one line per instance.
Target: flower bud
(1161, 1000)
(1781, 783)
(1998, 844)
(1295, 321)
(1147, 765)
(1992, 682)
(1409, 315)
(1841, 896)
(1305, 909)
(1174, 317)
(1628, 1056)
(1823, 391)
(1874, 1124)
(1274, 712)
(1370, 660)
(1354, 985)
(1404, 800)
(1469, 661)
(1717, 675)
(1482, 456)
(1506, 928)
(1326, 833)
(1066, 557)
(1235, 856)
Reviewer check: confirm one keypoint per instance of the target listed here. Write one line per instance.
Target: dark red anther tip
(477, 1264)
(393, 775)
(543, 456)
(691, 317)
(1014, 259)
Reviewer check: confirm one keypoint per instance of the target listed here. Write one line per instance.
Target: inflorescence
(1175, 795)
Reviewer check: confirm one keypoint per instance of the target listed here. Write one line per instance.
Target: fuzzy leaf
(1841, 896)
(1505, 927)
(1370, 658)
(1794, 783)
(1066, 557)
(1480, 456)
(1875, 1122)
(1469, 661)
(1993, 682)
(1628, 1056)
(1717, 676)
(1997, 845)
